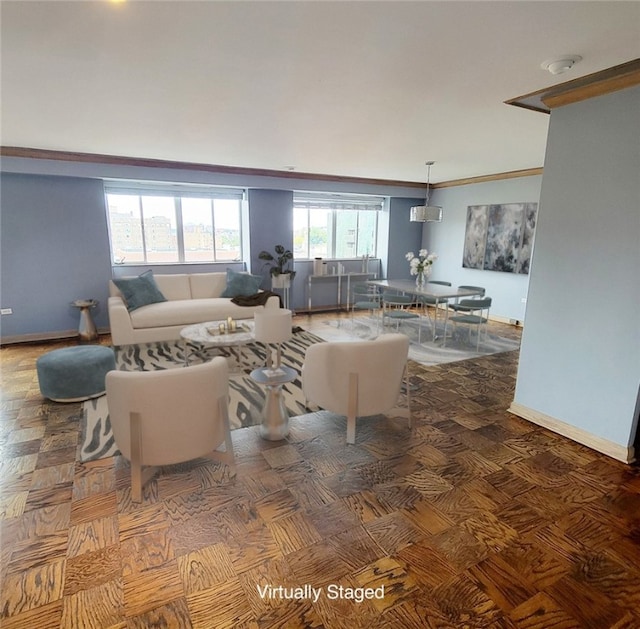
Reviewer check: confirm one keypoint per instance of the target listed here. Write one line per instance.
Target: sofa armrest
(120, 322)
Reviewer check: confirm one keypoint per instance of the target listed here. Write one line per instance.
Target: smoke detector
(558, 65)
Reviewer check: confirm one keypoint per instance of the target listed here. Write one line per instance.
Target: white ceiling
(364, 89)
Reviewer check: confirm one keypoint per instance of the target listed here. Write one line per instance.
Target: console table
(338, 278)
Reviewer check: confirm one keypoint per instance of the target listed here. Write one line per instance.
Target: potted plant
(279, 264)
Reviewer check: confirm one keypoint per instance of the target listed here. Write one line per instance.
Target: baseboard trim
(44, 336)
(604, 446)
(497, 318)
(509, 321)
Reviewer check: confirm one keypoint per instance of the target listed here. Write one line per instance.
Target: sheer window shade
(337, 202)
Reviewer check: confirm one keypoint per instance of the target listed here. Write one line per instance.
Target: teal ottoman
(73, 374)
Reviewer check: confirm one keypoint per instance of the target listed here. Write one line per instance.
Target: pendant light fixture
(426, 213)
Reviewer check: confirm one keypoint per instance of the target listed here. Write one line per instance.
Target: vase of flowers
(420, 265)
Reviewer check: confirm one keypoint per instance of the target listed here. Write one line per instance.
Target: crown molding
(613, 79)
(513, 174)
(117, 160)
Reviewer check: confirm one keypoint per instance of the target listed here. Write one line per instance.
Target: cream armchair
(358, 378)
(172, 416)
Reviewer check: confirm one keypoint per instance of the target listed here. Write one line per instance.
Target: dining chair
(455, 306)
(475, 313)
(171, 416)
(365, 297)
(357, 379)
(399, 308)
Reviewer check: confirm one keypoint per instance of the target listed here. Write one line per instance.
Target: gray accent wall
(55, 244)
(507, 290)
(404, 236)
(270, 221)
(580, 356)
(55, 249)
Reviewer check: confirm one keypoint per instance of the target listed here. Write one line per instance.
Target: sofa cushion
(140, 291)
(206, 285)
(188, 311)
(175, 286)
(241, 284)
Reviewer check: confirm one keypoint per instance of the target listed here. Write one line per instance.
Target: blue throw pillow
(140, 291)
(241, 284)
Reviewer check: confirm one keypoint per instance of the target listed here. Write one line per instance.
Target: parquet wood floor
(475, 518)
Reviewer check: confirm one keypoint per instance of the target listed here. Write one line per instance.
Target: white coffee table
(207, 335)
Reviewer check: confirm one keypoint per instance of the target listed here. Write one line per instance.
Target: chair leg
(352, 408)
(136, 456)
(351, 429)
(228, 443)
(227, 457)
(407, 386)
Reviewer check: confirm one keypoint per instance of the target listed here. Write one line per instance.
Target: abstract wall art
(499, 237)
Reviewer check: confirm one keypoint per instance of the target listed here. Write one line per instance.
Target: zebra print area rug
(245, 400)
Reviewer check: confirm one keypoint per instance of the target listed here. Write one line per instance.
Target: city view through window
(334, 233)
(151, 227)
(157, 229)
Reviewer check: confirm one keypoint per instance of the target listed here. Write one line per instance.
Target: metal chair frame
(456, 305)
(366, 297)
(396, 307)
(476, 313)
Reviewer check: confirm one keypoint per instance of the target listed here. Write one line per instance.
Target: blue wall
(270, 221)
(447, 240)
(580, 356)
(55, 245)
(55, 249)
(404, 236)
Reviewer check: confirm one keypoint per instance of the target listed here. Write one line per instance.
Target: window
(173, 224)
(334, 225)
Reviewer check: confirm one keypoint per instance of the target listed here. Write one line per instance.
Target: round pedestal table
(86, 328)
(275, 419)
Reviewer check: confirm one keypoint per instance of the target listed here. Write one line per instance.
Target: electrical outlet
(523, 300)
(5, 311)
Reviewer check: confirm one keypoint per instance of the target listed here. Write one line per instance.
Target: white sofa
(191, 298)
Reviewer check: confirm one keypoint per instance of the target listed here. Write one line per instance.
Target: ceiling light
(426, 213)
(558, 65)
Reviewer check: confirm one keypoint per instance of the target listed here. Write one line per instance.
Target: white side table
(86, 328)
(275, 419)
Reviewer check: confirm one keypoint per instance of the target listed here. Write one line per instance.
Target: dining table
(438, 292)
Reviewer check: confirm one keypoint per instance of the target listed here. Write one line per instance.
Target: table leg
(87, 328)
(446, 320)
(186, 354)
(348, 292)
(340, 298)
(275, 419)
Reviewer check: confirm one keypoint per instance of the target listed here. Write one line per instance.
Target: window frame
(177, 192)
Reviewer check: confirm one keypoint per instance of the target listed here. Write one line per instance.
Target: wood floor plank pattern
(475, 518)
